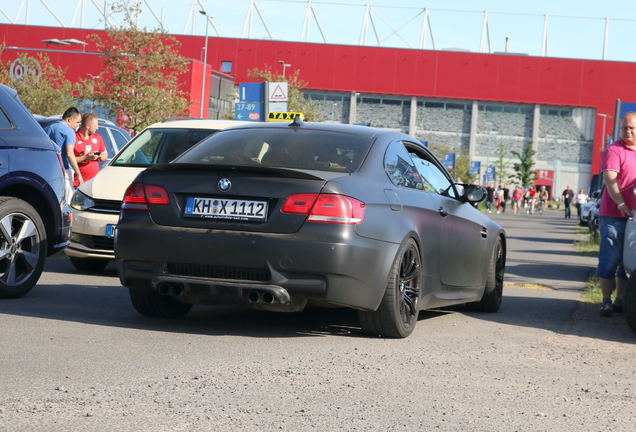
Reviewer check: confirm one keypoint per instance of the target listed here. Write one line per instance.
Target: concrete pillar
(413, 116)
(536, 120)
(472, 140)
(352, 107)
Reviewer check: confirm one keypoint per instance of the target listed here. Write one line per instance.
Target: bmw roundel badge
(225, 185)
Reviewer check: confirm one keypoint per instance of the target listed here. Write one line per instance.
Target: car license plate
(110, 231)
(216, 208)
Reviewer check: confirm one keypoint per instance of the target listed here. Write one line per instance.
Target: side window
(5, 123)
(107, 141)
(433, 178)
(400, 168)
(120, 139)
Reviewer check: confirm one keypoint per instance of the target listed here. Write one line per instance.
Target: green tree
(296, 102)
(42, 87)
(502, 165)
(462, 161)
(140, 78)
(524, 169)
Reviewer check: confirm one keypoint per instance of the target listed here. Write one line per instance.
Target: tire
(89, 264)
(397, 314)
(22, 247)
(592, 224)
(152, 304)
(493, 291)
(629, 307)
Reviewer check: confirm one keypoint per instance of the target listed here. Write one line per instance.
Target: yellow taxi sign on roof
(284, 116)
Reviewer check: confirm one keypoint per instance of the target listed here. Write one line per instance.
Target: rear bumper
(321, 262)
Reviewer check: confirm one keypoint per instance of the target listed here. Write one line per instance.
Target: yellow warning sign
(284, 116)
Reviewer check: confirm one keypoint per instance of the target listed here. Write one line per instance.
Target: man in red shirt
(89, 148)
(618, 165)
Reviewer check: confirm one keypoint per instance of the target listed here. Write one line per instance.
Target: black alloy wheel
(397, 315)
(22, 247)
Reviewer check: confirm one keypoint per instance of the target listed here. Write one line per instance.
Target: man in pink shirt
(618, 165)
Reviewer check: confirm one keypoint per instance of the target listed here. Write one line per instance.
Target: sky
(576, 29)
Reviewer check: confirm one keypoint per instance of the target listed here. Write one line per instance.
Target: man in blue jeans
(568, 196)
(618, 166)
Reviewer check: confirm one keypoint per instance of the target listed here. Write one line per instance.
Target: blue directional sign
(475, 166)
(449, 161)
(252, 92)
(249, 111)
(490, 174)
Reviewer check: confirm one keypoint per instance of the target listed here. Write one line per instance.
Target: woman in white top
(581, 199)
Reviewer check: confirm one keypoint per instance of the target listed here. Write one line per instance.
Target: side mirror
(473, 193)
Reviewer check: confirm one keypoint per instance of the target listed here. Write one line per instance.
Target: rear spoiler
(297, 173)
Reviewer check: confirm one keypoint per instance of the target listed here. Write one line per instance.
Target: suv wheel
(22, 247)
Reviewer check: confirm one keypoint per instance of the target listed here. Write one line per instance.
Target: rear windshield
(159, 145)
(285, 148)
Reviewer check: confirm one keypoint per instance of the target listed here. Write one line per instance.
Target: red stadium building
(472, 102)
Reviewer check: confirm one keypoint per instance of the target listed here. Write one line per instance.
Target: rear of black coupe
(276, 217)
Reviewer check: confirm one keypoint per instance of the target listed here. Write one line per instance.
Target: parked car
(34, 219)
(96, 203)
(115, 138)
(592, 217)
(584, 214)
(277, 216)
(629, 263)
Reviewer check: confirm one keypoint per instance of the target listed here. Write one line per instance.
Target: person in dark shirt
(568, 197)
(506, 197)
(490, 197)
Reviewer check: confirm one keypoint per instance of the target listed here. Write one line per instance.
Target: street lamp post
(93, 78)
(488, 151)
(603, 139)
(205, 61)
(284, 66)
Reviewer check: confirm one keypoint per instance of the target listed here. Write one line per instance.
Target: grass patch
(592, 292)
(586, 243)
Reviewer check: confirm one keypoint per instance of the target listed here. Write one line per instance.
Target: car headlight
(81, 201)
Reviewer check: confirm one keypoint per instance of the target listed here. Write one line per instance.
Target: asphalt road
(75, 356)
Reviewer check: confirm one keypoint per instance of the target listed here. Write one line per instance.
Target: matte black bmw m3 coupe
(278, 216)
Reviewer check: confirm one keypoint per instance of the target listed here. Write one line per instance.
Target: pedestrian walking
(618, 166)
(581, 199)
(490, 197)
(568, 197)
(506, 197)
(517, 196)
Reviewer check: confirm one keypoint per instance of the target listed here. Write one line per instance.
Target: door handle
(442, 212)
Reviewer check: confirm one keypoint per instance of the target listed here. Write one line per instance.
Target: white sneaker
(497, 211)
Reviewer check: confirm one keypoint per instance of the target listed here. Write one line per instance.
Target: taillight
(327, 208)
(139, 195)
(299, 203)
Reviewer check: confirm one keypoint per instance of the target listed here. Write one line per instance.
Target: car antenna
(297, 122)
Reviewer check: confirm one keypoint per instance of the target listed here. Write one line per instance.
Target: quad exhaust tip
(167, 289)
(261, 297)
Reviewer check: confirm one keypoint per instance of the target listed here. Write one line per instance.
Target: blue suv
(35, 221)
